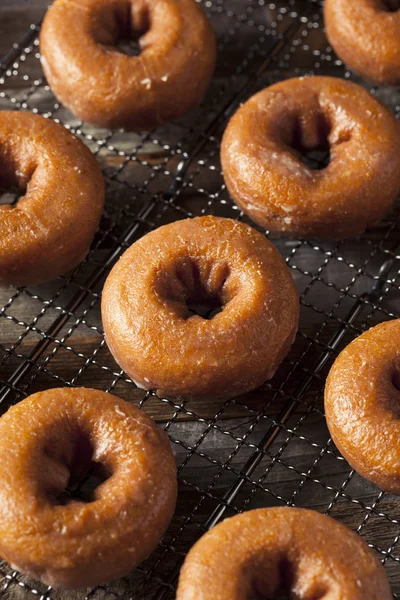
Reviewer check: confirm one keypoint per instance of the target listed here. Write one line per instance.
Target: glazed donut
(362, 397)
(264, 171)
(365, 34)
(57, 435)
(210, 261)
(99, 84)
(277, 552)
(50, 229)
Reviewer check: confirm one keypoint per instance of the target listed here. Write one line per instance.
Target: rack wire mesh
(270, 447)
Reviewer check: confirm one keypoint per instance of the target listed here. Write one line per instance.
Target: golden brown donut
(274, 552)
(262, 151)
(210, 261)
(365, 34)
(99, 84)
(57, 435)
(362, 400)
(50, 229)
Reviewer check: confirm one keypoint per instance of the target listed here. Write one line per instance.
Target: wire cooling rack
(269, 447)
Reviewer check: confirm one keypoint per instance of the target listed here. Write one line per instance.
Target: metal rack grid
(270, 447)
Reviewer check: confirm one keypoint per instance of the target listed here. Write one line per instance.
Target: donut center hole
(261, 597)
(396, 379)
(76, 477)
(391, 6)
(128, 47)
(10, 197)
(131, 23)
(192, 292)
(84, 488)
(310, 140)
(286, 583)
(205, 310)
(200, 300)
(11, 192)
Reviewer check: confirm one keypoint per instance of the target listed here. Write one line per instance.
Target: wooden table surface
(301, 466)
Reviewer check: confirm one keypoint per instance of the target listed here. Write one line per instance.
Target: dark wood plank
(15, 18)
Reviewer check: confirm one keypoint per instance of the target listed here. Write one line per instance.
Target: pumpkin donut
(50, 229)
(365, 34)
(264, 170)
(211, 261)
(277, 552)
(362, 398)
(100, 84)
(58, 434)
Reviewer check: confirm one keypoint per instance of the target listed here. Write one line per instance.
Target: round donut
(362, 397)
(274, 552)
(50, 229)
(55, 436)
(365, 34)
(100, 84)
(262, 158)
(209, 261)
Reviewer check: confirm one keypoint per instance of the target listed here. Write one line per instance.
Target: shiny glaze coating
(276, 552)
(205, 260)
(56, 434)
(100, 84)
(262, 162)
(362, 399)
(50, 229)
(365, 34)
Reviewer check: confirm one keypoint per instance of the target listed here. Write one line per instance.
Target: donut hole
(261, 597)
(287, 580)
(202, 298)
(13, 185)
(83, 490)
(193, 291)
(396, 379)
(128, 47)
(283, 576)
(203, 310)
(70, 473)
(123, 29)
(391, 6)
(310, 140)
(10, 197)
